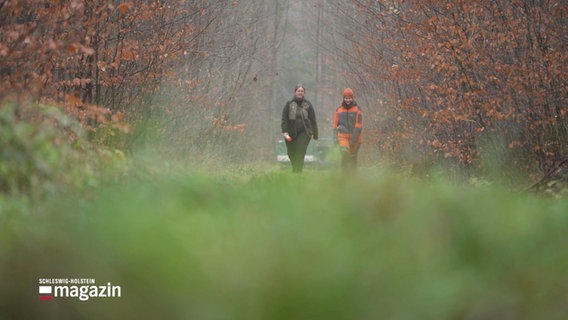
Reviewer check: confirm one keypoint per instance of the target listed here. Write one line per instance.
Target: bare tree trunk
(319, 55)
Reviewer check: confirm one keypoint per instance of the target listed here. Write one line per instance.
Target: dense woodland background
(477, 87)
(137, 147)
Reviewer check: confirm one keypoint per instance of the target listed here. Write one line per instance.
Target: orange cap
(348, 93)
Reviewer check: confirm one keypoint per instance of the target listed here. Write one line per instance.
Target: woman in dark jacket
(298, 127)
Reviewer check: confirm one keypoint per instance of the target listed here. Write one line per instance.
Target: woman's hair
(299, 85)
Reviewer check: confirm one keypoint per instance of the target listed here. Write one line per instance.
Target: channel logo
(82, 289)
(45, 293)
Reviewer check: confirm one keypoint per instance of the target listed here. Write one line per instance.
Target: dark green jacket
(292, 120)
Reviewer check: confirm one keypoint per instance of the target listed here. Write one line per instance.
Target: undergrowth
(279, 245)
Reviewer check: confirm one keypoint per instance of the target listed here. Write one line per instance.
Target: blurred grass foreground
(283, 246)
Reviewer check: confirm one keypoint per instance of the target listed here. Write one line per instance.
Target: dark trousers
(297, 150)
(348, 161)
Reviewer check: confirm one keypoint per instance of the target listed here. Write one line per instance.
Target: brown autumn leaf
(127, 55)
(124, 7)
(87, 50)
(3, 50)
(72, 100)
(117, 117)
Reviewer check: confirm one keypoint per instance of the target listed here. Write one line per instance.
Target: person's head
(348, 96)
(299, 91)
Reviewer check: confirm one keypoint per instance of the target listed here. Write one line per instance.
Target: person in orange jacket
(348, 124)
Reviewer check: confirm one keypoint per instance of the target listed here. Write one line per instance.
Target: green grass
(275, 245)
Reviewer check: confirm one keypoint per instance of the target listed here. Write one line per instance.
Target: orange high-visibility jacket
(348, 122)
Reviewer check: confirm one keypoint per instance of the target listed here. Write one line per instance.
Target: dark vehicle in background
(320, 153)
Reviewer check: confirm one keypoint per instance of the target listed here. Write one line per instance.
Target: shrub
(43, 151)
